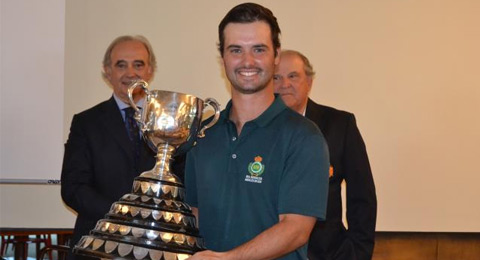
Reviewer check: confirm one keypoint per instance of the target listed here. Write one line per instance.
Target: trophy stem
(162, 171)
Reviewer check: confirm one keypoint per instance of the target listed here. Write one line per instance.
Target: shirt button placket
(234, 156)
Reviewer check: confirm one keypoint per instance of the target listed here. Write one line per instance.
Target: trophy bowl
(170, 122)
(152, 222)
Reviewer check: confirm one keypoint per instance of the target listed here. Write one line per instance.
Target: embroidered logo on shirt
(255, 169)
(330, 172)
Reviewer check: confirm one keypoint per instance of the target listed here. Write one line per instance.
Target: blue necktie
(133, 132)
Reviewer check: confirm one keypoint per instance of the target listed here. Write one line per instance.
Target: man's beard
(249, 90)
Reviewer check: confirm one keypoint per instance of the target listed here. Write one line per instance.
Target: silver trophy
(152, 222)
(170, 121)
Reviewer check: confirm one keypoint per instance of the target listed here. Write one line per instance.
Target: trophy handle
(144, 86)
(216, 107)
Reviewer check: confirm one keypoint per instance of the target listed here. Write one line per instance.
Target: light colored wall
(33, 206)
(32, 43)
(32, 82)
(407, 69)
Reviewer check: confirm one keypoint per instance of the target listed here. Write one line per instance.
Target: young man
(258, 180)
(348, 161)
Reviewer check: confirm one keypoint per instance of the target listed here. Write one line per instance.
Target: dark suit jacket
(98, 165)
(348, 157)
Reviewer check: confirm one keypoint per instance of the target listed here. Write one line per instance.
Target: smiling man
(258, 180)
(104, 152)
(125, 62)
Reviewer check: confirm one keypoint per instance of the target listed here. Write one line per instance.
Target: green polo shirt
(240, 184)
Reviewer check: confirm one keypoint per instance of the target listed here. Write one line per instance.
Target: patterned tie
(133, 132)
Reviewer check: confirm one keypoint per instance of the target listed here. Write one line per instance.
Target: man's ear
(150, 71)
(310, 83)
(107, 72)
(277, 56)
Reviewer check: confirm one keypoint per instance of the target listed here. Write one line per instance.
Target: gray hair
(307, 66)
(107, 58)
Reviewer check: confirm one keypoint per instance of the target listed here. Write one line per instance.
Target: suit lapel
(315, 113)
(113, 124)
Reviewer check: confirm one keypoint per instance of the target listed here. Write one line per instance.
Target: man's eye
(121, 65)
(235, 51)
(259, 50)
(276, 77)
(139, 65)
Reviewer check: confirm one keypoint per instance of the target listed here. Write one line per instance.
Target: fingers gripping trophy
(152, 222)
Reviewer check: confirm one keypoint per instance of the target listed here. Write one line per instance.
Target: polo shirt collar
(264, 119)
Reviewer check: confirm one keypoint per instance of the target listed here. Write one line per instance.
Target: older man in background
(330, 239)
(104, 151)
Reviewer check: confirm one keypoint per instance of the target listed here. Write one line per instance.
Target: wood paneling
(426, 246)
(458, 246)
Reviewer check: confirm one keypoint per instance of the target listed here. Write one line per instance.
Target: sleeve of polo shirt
(190, 181)
(304, 184)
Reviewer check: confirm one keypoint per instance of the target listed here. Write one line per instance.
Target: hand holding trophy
(153, 222)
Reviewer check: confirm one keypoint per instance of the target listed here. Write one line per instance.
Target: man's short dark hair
(249, 13)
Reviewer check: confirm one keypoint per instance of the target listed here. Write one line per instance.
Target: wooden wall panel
(459, 246)
(426, 246)
(402, 246)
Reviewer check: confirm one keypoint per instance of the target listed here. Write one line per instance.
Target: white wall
(32, 43)
(32, 78)
(407, 69)
(33, 206)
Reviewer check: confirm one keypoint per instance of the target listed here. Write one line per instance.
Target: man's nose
(285, 83)
(131, 72)
(248, 59)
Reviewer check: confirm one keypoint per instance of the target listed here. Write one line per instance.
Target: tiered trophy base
(151, 223)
